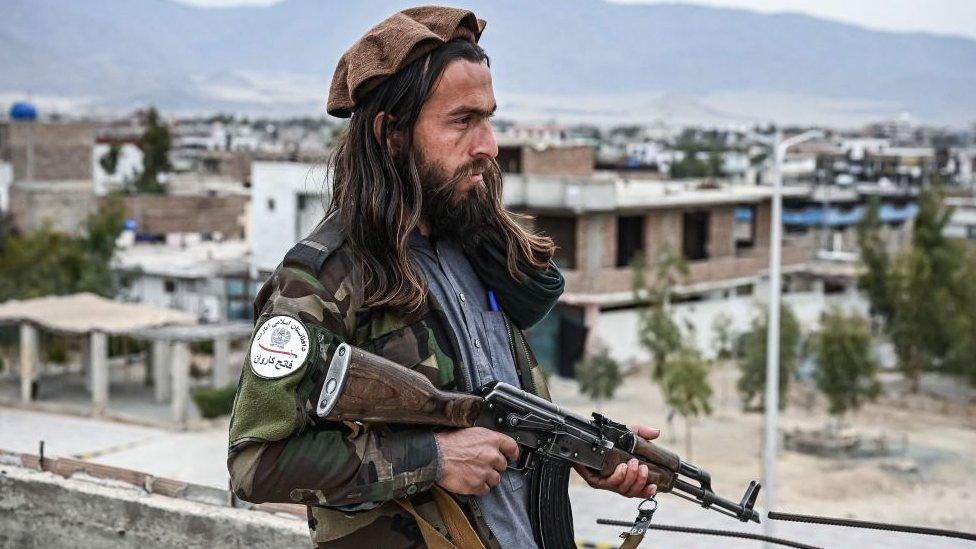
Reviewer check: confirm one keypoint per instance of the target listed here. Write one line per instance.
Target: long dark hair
(378, 193)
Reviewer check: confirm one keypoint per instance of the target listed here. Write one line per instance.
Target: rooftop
(86, 312)
(199, 260)
(608, 192)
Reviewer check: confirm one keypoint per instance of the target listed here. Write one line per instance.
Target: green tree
(752, 363)
(599, 376)
(657, 331)
(846, 370)
(874, 280)
(110, 160)
(686, 388)
(926, 287)
(961, 357)
(155, 144)
(46, 262)
(722, 334)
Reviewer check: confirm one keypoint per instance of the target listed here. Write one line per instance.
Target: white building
(208, 279)
(287, 201)
(127, 167)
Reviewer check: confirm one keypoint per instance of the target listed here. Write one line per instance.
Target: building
(183, 219)
(49, 178)
(208, 279)
(48, 151)
(287, 201)
(601, 223)
(962, 224)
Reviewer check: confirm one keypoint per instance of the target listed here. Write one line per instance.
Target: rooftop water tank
(23, 111)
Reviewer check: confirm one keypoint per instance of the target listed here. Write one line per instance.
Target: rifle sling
(458, 526)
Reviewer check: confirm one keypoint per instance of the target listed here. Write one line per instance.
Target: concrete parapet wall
(43, 509)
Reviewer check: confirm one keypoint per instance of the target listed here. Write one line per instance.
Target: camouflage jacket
(347, 474)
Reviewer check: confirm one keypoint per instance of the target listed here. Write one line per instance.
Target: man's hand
(628, 479)
(473, 459)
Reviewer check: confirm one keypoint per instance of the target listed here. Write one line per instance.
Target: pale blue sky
(956, 17)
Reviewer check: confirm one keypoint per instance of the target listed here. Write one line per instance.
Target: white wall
(6, 180)
(274, 231)
(129, 165)
(618, 329)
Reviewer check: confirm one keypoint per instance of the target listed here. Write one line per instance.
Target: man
(417, 261)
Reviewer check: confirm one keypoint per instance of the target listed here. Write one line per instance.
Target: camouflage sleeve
(279, 451)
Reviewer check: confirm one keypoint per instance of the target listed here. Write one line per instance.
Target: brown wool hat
(392, 45)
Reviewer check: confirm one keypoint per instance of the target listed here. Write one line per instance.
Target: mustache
(478, 165)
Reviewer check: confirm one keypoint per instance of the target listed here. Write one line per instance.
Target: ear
(394, 138)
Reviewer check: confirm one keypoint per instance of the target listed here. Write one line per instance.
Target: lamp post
(771, 405)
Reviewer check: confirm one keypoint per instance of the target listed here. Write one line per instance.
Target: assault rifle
(364, 387)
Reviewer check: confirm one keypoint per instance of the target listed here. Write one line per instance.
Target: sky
(955, 17)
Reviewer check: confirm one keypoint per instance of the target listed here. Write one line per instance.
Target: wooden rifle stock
(361, 386)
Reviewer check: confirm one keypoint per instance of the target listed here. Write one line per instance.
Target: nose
(484, 143)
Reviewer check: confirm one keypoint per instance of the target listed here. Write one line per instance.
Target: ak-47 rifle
(361, 386)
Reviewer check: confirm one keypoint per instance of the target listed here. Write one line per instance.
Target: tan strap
(457, 523)
(631, 541)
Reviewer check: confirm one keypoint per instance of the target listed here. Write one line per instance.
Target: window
(630, 238)
(239, 298)
(694, 235)
(562, 230)
(169, 285)
(744, 229)
(510, 159)
(271, 204)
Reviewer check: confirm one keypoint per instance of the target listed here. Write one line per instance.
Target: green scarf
(526, 302)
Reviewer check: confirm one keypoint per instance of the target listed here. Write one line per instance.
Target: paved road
(199, 457)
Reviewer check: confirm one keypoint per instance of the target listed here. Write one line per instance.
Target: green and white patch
(279, 347)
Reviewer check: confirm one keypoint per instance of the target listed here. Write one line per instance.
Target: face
(453, 138)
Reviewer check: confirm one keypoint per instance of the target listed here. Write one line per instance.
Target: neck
(423, 227)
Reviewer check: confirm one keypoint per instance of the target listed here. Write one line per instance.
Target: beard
(468, 215)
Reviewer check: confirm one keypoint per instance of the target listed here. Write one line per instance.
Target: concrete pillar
(28, 360)
(221, 368)
(591, 313)
(180, 371)
(160, 369)
(99, 370)
(86, 361)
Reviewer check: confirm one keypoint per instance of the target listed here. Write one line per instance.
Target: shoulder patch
(314, 249)
(279, 347)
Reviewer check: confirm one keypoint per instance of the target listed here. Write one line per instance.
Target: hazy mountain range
(566, 59)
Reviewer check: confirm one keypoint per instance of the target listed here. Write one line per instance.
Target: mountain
(574, 59)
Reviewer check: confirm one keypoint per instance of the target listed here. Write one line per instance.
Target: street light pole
(771, 404)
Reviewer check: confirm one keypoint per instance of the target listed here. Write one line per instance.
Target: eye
(464, 120)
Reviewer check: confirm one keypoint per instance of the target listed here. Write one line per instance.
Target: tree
(874, 281)
(599, 376)
(657, 332)
(110, 160)
(752, 363)
(154, 143)
(686, 388)
(925, 294)
(46, 262)
(722, 333)
(846, 370)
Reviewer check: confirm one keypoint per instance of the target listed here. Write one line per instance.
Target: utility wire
(707, 532)
(812, 519)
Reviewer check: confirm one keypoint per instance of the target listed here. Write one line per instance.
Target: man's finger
(635, 487)
(629, 477)
(509, 447)
(617, 477)
(499, 463)
(645, 432)
(493, 478)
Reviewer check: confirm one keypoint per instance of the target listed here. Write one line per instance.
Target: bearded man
(418, 261)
